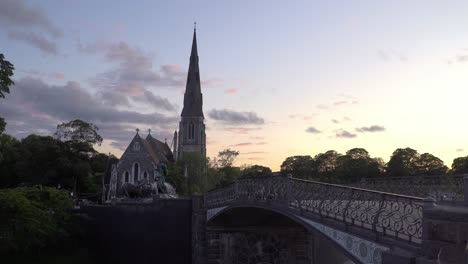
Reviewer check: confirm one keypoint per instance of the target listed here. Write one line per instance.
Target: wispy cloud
(31, 108)
(234, 117)
(313, 130)
(389, 55)
(29, 24)
(371, 129)
(335, 121)
(231, 91)
(459, 150)
(345, 134)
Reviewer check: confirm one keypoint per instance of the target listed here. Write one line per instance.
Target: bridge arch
(352, 247)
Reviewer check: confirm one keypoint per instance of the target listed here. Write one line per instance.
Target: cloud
(211, 82)
(231, 91)
(373, 128)
(29, 24)
(36, 107)
(35, 40)
(242, 130)
(389, 55)
(459, 150)
(345, 134)
(17, 13)
(243, 144)
(345, 118)
(338, 103)
(49, 75)
(321, 106)
(335, 121)
(133, 69)
(254, 152)
(156, 100)
(262, 143)
(236, 118)
(313, 130)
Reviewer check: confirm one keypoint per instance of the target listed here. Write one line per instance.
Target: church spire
(193, 97)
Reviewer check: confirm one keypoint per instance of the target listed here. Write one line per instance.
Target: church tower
(191, 136)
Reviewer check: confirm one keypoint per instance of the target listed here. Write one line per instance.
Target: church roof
(162, 149)
(193, 99)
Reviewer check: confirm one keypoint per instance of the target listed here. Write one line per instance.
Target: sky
(279, 78)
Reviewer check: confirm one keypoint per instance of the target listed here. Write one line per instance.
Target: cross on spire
(195, 25)
(149, 131)
(137, 130)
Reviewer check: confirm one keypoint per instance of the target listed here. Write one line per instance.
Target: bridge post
(198, 229)
(465, 189)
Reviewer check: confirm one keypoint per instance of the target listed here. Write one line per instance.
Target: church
(142, 169)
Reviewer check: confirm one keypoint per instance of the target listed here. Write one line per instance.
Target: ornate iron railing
(441, 187)
(384, 213)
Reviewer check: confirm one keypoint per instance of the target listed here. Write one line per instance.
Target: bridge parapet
(439, 187)
(385, 214)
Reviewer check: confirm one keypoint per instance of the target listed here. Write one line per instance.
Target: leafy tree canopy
(6, 71)
(460, 165)
(78, 131)
(256, 171)
(299, 166)
(227, 157)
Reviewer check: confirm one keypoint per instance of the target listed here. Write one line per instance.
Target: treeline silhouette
(357, 164)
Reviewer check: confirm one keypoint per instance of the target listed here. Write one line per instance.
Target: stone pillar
(198, 229)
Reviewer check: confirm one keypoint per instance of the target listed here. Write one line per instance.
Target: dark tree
(6, 71)
(256, 171)
(9, 155)
(460, 165)
(326, 165)
(2, 125)
(78, 132)
(428, 164)
(403, 162)
(355, 165)
(302, 167)
(227, 157)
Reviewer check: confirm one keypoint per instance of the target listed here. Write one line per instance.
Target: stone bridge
(288, 220)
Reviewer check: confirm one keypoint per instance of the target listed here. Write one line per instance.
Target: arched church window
(136, 146)
(126, 176)
(136, 172)
(191, 131)
(145, 175)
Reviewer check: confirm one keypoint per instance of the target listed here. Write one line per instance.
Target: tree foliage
(34, 218)
(226, 158)
(460, 165)
(255, 171)
(302, 167)
(78, 133)
(6, 71)
(403, 162)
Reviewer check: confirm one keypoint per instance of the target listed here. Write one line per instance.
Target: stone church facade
(143, 165)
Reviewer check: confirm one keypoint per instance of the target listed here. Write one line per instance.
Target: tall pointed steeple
(193, 100)
(191, 135)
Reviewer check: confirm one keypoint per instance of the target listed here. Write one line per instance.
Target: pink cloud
(242, 144)
(171, 68)
(57, 75)
(231, 91)
(212, 82)
(132, 90)
(261, 143)
(355, 102)
(309, 117)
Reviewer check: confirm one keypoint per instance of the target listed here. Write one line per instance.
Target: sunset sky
(279, 78)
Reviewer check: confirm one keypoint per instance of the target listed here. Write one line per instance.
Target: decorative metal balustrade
(440, 187)
(383, 213)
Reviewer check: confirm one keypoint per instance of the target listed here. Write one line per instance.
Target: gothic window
(191, 131)
(126, 176)
(145, 175)
(136, 146)
(136, 172)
